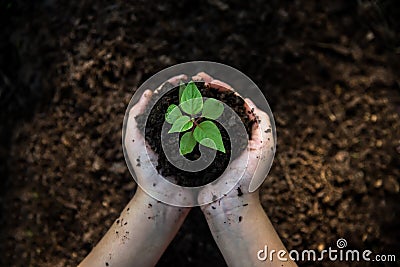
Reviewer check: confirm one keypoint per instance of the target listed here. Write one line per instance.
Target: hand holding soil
(139, 152)
(237, 221)
(252, 163)
(142, 158)
(146, 226)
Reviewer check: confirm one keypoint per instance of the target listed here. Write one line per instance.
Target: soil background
(329, 70)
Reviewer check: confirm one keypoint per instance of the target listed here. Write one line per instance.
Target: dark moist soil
(329, 70)
(155, 121)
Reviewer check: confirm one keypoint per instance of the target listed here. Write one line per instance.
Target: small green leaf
(191, 91)
(212, 109)
(191, 100)
(173, 113)
(208, 134)
(187, 143)
(181, 124)
(181, 89)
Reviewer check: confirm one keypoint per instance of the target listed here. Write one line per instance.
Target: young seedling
(183, 118)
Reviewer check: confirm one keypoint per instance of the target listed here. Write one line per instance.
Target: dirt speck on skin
(138, 161)
(240, 193)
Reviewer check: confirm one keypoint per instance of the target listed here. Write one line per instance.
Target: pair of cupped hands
(248, 165)
(237, 221)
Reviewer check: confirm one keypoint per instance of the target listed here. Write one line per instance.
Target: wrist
(231, 206)
(155, 209)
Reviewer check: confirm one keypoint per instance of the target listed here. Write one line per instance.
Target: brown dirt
(155, 121)
(69, 68)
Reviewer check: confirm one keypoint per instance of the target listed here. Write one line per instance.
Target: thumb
(140, 106)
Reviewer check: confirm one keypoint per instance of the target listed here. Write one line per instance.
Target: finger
(251, 111)
(262, 129)
(250, 108)
(202, 76)
(173, 80)
(263, 161)
(176, 79)
(221, 86)
(140, 106)
(261, 143)
(136, 146)
(132, 131)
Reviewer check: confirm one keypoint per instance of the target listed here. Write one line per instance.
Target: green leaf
(187, 143)
(181, 89)
(208, 134)
(212, 109)
(173, 113)
(191, 91)
(181, 124)
(191, 100)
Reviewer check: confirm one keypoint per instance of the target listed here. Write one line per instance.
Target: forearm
(241, 229)
(139, 236)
